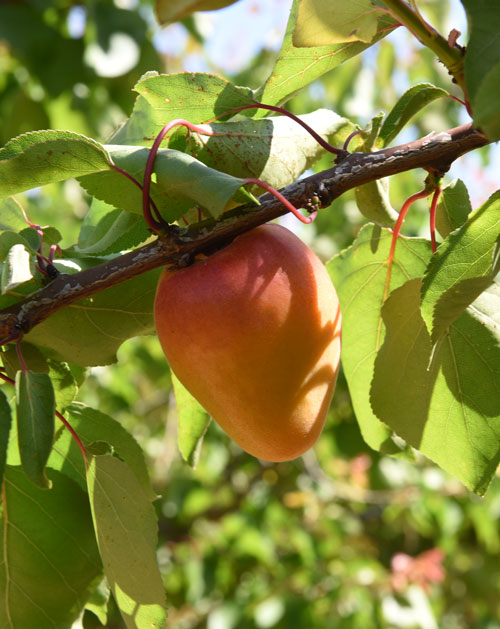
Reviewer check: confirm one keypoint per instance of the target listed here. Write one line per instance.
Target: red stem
(327, 146)
(281, 199)
(20, 357)
(432, 217)
(395, 233)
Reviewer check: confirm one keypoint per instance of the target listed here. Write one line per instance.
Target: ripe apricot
(253, 332)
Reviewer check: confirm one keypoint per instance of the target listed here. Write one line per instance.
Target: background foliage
(344, 536)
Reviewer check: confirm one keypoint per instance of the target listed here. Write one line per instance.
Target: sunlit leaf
(453, 207)
(42, 157)
(49, 555)
(126, 531)
(297, 67)
(412, 101)
(444, 401)
(338, 21)
(463, 266)
(359, 275)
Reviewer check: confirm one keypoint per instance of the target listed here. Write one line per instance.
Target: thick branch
(178, 248)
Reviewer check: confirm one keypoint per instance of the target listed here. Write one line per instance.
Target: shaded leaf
(464, 265)
(42, 157)
(106, 230)
(446, 401)
(93, 426)
(168, 11)
(359, 275)
(412, 101)
(126, 530)
(297, 67)
(323, 24)
(193, 421)
(48, 554)
(65, 387)
(90, 331)
(453, 207)
(5, 425)
(35, 404)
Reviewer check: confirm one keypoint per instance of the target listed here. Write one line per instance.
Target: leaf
(359, 275)
(11, 215)
(35, 405)
(90, 331)
(453, 207)
(297, 67)
(33, 359)
(412, 101)
(65, 387)
(42, 157)
(444, 402)
(339, 21)
(48, 555)
(180, 179)
(197, 96)
(17, 268)
(464, 265)
(193, 421)
(106, 230)
(98, 602)
(5, 425)
(93, 426)
(482, 65)
(168, 11)
(126, 530)
(276, 150)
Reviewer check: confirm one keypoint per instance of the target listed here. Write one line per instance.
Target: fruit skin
(253, 332)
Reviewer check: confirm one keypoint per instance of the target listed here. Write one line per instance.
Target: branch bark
(179, 246)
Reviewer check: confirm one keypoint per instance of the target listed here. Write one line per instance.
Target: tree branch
(179, 246)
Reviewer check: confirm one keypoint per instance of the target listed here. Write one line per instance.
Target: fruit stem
(432, 217)
(289, 206)
(395, 233)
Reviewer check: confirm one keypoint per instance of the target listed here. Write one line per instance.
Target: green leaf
(126, 530)
(5, 425)
(446, 401)
(42, 157)
(35, 404)
(359, 276)
(107, 230)
(180, 179)
(324, 24)
(92, 426)
(412, 101)
(196, 96)
(482, 65)
(98, 602)
(168, 11)
(65, 387)
(33, 359)
(276, 150)
(11, 215)
(193, 421)
(297, 67)
(453, 207)
(90, 331)
(48, 554)
(464, 265)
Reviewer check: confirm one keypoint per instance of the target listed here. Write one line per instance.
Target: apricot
(253, 332)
